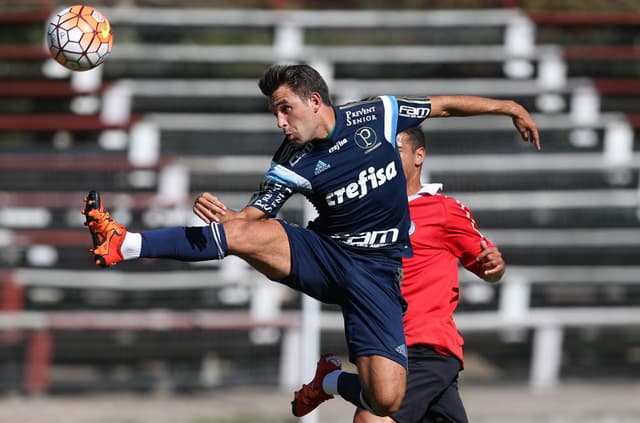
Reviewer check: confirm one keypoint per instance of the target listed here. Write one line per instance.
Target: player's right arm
(462, 105)
(210, 208)
(273, 192)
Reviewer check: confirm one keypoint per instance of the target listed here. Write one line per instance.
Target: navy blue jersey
(353, 177)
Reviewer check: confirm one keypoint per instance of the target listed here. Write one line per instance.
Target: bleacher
(176, 111)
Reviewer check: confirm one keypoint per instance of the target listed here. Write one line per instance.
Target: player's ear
(316, 101)
(419, 155)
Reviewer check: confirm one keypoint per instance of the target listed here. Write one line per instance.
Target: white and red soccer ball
(79, 37)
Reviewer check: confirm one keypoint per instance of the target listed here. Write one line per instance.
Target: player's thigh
(373, 309)
(263, 244)
(383, 380)
(320, 266)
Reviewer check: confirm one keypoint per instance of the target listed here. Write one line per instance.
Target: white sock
(131, 246)
(330, 382)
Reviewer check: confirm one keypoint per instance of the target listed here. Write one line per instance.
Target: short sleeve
(271, 196)
(412, 111)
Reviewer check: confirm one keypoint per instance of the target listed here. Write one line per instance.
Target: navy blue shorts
(432, 389)
(365, 284)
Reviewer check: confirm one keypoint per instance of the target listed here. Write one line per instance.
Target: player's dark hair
(303, 80)
(416, 137)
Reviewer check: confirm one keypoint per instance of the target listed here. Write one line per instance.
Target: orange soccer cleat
(312, 395)
(106, 233)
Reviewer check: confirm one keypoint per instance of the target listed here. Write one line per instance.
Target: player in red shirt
(443, 233)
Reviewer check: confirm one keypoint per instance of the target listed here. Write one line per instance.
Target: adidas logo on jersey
(321, 167)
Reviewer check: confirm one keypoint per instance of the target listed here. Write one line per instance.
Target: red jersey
(443, 233)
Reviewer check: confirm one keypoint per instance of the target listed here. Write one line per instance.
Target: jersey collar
(431, 189)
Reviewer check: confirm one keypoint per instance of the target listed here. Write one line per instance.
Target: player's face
(407, 155)
(294, 115)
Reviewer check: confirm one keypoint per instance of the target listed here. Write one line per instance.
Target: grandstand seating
(566, 218)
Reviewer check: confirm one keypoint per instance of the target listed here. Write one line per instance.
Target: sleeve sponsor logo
(414, 112)
(271, 196)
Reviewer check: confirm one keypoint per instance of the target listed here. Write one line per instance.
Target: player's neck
(328, 119)
(413, 186)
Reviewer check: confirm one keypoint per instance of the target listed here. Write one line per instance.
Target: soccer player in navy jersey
(443, 234)
(343, 159)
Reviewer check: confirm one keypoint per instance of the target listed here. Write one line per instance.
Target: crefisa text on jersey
(370, 177)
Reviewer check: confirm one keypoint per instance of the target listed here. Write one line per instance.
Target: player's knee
(248, 236)
(238, 234)
(386, 403)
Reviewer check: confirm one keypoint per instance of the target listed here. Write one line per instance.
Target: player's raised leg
(107, 234)
(263, 243)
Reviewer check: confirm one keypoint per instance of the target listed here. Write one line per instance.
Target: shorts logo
(371, 239)
(366, 138)
(412, 228)
(402, 350)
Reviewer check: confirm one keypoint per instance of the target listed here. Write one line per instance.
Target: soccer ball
(79, 37)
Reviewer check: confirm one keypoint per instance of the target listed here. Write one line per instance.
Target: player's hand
(526, 126)
(209, 208)
(490, 258)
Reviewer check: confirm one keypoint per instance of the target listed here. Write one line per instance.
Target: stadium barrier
(512, 315)
(40, 326)
(548, 325)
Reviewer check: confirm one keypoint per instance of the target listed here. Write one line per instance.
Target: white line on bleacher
(182, 17)
(406, 86)
(263, 122)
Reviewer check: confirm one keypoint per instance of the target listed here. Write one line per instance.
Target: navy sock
(195, 243)
(349, 388)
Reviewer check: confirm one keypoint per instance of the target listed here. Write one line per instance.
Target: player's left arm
(474, 251)
(461, 105)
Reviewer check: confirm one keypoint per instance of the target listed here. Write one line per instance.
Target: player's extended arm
(210, 208)
(460, 105)
(492, 263)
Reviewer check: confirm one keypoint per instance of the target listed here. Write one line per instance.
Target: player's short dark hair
(415, 137)
(303, 80)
